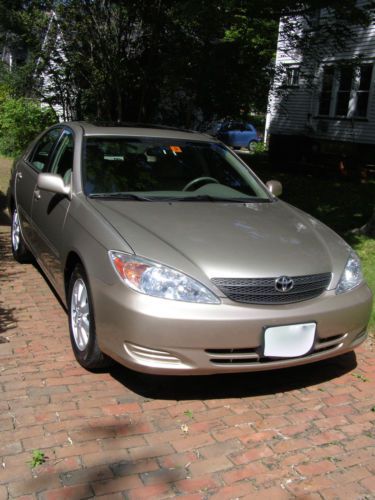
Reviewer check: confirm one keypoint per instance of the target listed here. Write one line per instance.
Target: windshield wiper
(121, 196)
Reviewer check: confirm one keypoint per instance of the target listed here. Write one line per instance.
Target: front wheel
(82, 323)
(252, 146)
(19, 249)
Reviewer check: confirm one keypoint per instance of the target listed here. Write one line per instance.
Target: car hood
(228, 239)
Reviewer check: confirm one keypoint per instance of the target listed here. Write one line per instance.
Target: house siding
(294, 111)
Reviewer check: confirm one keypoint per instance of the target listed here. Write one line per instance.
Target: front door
(49, 211)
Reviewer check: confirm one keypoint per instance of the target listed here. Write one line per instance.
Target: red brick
(234, 491)
(316, 468)
(121, 409)
(359, 442)
(178, 459)
(150, 451)
(369, 483)
(291, 445)
(356, 429)
(164, 436)
(179, 409)
(197, 484)
(327, 437)
(229, 433)
(258, 436)
(129, 468)
(210, 426)
(331, 450)
(123, 442)
(328, 423)
(155, 491)
(117, 484)
(78, 492)
(3, 493)
(163, 476)
(333, 411)
(351, 475)
(11, 473)
(309, 485)
(202, 467)
(255, 453)
(189, 442)
(157, 404)
(104, 457)
(34, 485)
(43, 442)
(343, 492)
(248, 472)
(273, 493)
(293, 459)
(271, 423)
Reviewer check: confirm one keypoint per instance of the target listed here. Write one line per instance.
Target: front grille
(263, 291)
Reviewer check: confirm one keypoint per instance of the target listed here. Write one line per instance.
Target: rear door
(27, 171)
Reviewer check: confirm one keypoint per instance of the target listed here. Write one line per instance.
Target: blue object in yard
(238, 135)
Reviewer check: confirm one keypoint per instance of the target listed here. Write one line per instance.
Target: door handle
(19, 176)
(37, 194)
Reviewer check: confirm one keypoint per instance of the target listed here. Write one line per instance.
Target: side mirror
(53, 183)
(275, 187)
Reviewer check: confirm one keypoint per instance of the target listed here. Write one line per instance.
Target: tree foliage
(21, 120)
(171, 61)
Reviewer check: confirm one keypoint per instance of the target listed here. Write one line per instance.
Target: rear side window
(42, 152)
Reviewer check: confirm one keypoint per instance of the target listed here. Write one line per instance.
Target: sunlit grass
(365, 248)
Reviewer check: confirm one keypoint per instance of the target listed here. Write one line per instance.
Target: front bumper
(161, 336)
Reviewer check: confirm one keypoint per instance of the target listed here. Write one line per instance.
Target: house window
(363, 91)
(326, 93)
(291, 78)
(345, 91)
(345, 82)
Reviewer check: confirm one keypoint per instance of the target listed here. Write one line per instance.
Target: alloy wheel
(80, 314)
(16, 231)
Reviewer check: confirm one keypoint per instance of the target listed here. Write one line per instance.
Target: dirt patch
(5, 166)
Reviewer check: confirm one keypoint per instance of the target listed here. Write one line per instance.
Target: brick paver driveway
(306, 432)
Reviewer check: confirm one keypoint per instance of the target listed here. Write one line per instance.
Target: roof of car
(140, 130)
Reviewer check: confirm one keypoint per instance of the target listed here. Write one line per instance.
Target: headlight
(352, 275)
(152, 278)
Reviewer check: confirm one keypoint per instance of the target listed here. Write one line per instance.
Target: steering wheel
(199, 179)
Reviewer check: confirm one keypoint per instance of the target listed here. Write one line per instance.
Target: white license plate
(289, 341)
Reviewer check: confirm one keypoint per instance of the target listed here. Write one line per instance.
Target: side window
(41, 154)
(62, 163)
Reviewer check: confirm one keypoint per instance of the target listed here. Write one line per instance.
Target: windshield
(159, 169)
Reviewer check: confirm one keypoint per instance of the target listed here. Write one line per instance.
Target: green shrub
(20, 121)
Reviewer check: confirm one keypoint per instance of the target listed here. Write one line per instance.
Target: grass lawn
(341, 204)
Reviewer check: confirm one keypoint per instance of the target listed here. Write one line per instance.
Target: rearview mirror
(53, 183)
(275, 187)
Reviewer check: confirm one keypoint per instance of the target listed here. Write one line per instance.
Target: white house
(323, 110)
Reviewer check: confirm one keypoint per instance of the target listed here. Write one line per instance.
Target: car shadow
(234, 385)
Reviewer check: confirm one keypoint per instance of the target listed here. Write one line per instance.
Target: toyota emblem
(284, 284)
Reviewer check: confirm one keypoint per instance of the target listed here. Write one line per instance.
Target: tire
(82, 323)
(19, 249)
(252, 146)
